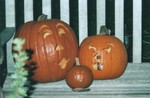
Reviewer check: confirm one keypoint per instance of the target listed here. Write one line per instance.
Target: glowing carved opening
(59, 47)
(63, 63)
(47, 33)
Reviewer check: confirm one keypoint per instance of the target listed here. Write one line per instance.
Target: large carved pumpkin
(105, 55)
(54, 47)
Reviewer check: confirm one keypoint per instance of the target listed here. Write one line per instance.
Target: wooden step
(135, 82)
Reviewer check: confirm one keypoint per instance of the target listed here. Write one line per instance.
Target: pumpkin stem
(77, 61)
(104, 30)
(42, 17)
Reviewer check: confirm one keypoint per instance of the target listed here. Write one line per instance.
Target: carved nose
(98, 57)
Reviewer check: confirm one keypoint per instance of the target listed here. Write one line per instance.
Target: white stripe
(46, 8)
(83, 32)
(10, 22)
(137, 31)
(28, 10)
(101, 14)
(119, 19)
(64, 10)
(10, 13)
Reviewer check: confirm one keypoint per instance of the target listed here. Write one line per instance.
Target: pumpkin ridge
(68, 40)
(48, 62)
(68, 33)
(123, 53)
(112, 69)
(59, 73)
(40, 66)
(46, 58)
(110, 40)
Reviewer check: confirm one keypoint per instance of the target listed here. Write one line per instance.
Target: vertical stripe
(101, 14)
(19, 7)
(55, 9)
(46, 8)
(10, 13)
(83, 32)
(119, 19)
(110, 11)
(137, 31)
(10, 22)
(3, 66)
(2, 15)
(64, 10)
(37, 8)
(128, 27)
(73, 5)
(28, 10)
(92, 30)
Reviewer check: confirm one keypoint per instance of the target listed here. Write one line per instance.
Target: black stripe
(37, 8)
(110, 15)
(2, 15)
(74, 20)
(19, 8)
(3, 67)
(55, 9)
(91, 17)
(128, 20)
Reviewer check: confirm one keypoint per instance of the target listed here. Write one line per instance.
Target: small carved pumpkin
(105, 55)
(79, 77)
(54, 47)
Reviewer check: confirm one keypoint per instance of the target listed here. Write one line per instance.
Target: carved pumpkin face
(54, 47)
(105, 55)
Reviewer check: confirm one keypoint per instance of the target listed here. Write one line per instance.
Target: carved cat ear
(5, 36)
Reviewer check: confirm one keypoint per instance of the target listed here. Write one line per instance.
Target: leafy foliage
(20, 74)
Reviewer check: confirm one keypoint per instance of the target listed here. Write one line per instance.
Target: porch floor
(134, 83)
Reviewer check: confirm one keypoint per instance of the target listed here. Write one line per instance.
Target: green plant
(20, 74)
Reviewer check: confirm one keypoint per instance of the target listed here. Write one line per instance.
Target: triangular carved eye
(59, 47)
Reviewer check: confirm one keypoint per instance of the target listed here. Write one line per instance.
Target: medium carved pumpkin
(54, 47)
(105, 55)
(79, 77)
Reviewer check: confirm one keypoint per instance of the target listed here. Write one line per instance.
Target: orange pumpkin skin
(79, 77)
(54, 47)
(105, 55)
